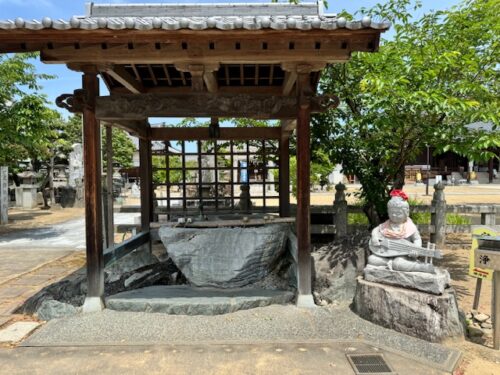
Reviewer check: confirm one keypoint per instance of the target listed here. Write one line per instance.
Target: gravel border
(264, 324)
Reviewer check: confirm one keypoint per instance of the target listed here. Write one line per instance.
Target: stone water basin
(225, 257)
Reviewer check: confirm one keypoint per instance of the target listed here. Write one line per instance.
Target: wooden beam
(137, 107)
(284, 175)
(270, 90)
(126, 247)
(303, 220)
(290, 78)
(165, 37)
(138, 128)
(211, 81)
(93, 199)
(108, 201)
(148, 54)
(288, 126)
(193, 134)
(146, 184)
(120, 75)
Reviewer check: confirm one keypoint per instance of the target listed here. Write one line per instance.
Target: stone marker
(4, 195)
(17, 331)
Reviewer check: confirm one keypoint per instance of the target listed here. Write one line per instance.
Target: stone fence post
(488, 218)
(4, 195)
(340, 211)
(438, 215)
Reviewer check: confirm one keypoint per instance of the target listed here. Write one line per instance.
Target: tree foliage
(436, 75)
(26, 123)
(123, 148)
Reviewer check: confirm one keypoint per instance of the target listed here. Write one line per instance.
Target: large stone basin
(225, 257)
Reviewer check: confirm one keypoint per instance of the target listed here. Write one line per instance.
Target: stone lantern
(26, 192)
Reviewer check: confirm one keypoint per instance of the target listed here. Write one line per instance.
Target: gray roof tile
(277, 16)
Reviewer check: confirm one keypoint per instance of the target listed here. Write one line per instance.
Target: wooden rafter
(152, 75)
(167, 74)
(242, 75)
(271, 74)
(136, 72)
(183, 78)
(290, 79)
(211, 81)
(226, 75)
(120, 74)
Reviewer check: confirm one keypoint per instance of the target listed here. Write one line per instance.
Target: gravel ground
(67, 235)
(266, 324)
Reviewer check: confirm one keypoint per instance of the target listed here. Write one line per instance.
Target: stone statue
(398, 228)
(396, 251)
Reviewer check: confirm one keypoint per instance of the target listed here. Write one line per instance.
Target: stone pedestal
(414, 313)
(425, 282)
(26, 196)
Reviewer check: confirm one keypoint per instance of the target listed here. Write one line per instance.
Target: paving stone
(7, 291)
(186, 300)
(9, 307)
(17, 331)
(32, 280)
(4, 319)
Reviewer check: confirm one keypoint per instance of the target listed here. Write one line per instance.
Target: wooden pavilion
(259, 61)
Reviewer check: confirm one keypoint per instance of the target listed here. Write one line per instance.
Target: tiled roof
(277, 16)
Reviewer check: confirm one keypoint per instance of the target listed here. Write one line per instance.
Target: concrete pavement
(326, 357)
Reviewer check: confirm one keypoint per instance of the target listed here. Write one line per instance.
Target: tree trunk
(399, 178)
(372, 215)
(51, 181)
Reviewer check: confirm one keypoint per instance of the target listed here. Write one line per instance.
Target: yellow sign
(478, 231)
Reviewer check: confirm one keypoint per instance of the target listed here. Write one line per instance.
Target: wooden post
(93, 199)
(4, 195)
(304, 279)
(146, 185)
(477, 293)
(495, 310)
(108, 208)
(284, 174)
(340, 211)
(438, 215)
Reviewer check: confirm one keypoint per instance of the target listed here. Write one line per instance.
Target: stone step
(187, 300)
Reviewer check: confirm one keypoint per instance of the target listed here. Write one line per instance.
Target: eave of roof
(278, 16)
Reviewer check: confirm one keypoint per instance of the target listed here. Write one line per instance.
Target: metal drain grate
(373, 364)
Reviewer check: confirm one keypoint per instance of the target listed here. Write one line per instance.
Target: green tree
(25, 119)
(436, 75)
(123, 148)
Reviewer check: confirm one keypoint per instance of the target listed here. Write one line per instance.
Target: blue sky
(67, 81)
